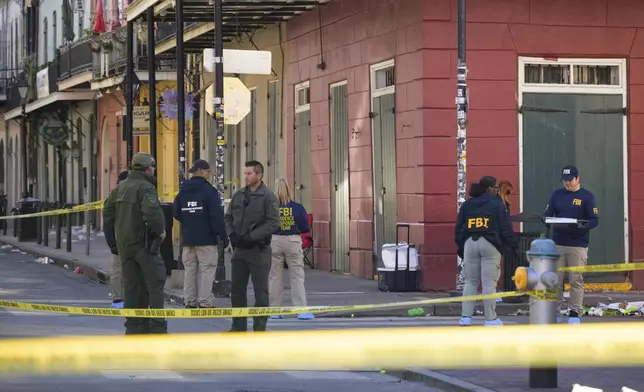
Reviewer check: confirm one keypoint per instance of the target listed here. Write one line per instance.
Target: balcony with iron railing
(110, 51)
(76, 59)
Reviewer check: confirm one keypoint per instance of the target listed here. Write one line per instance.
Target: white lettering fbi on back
(192, 207)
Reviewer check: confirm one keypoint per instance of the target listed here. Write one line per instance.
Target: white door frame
(375, 93)
(620, 89)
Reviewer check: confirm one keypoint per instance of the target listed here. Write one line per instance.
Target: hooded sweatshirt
(198, 208)
(485, 216)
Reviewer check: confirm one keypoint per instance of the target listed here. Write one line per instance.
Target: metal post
(196, 118)
(129, 90)
(87, 231)
(45, 230)
(59, 223)
(541, 276)
(152, 83)
(68, 234)
(218, 102)
(23, 129)
(461, 123)
(181, 106)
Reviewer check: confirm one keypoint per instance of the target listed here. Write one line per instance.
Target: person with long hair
(505, 190)
(287, 247)
(482, 231)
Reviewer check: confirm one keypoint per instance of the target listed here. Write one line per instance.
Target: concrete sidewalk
(323, 288)
(517, 380)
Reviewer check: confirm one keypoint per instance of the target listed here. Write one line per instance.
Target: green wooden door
(585, 131)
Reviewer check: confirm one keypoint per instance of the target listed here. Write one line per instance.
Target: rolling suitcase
(394, 278)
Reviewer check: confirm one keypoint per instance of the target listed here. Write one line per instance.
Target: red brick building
(552, 82)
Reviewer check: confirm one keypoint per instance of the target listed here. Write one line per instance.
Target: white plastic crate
(389, 256)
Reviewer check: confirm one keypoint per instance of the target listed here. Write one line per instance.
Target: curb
(438, 380)
(60, 261)
(104, 278)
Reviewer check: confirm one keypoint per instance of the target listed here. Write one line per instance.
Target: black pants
(256, 264)
(143, 284)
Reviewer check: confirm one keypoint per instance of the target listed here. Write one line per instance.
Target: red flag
(99, 22)
(116, 21)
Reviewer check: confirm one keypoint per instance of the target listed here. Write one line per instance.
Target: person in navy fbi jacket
(198, 208)
(483, 232)
(287, 246)
(572, 201)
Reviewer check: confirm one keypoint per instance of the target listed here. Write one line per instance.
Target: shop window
(572, 74)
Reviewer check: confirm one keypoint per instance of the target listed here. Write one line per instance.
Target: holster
(152, 242)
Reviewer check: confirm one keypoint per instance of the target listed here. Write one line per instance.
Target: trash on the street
(616, 309)
(581, 388)
(416, 312)
(78, 270)
(44, 260)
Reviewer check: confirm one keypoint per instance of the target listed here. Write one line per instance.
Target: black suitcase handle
(398, 227)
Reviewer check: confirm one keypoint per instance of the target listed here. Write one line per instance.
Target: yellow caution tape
(248, 312)
(622, 267)
(563, 345)
(91, 206)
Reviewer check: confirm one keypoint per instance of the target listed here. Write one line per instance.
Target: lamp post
(23, 89)
(64, 152)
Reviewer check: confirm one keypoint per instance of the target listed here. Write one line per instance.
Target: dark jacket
(134, 209)
(253, 213)
(577, 205)
(293, 219)
(484, 216)
(108, 227)
(198, 208)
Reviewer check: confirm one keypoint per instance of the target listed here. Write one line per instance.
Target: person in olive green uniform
(251, 219)
(134, 210)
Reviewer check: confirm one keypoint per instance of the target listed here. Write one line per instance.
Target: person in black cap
(134, 210)
(572, 201)
(483, 231)
(198, 207)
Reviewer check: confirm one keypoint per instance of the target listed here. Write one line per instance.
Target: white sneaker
(493, 323)
(465, 321)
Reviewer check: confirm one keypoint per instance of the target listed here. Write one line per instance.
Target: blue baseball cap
(569, 172)
(199, 164)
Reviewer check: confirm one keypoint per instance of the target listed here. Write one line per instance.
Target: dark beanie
(122, 176)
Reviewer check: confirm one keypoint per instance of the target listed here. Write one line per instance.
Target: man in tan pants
(198, 207)
(573, 201)
(116, 272)
(287, 247)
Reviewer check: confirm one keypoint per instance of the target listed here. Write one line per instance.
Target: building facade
(371, 120)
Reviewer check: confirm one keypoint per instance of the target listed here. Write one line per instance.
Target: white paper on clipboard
(553, 220)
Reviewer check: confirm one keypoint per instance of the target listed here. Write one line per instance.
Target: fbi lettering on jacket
(480, 223)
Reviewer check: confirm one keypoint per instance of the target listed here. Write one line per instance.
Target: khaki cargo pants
(287, 248)
(200, 263)
(572, 256)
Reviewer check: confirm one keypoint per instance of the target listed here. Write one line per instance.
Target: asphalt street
(23, 279)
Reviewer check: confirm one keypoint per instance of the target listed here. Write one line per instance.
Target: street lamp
(76, 151)
(23, 88)
(64, 151)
